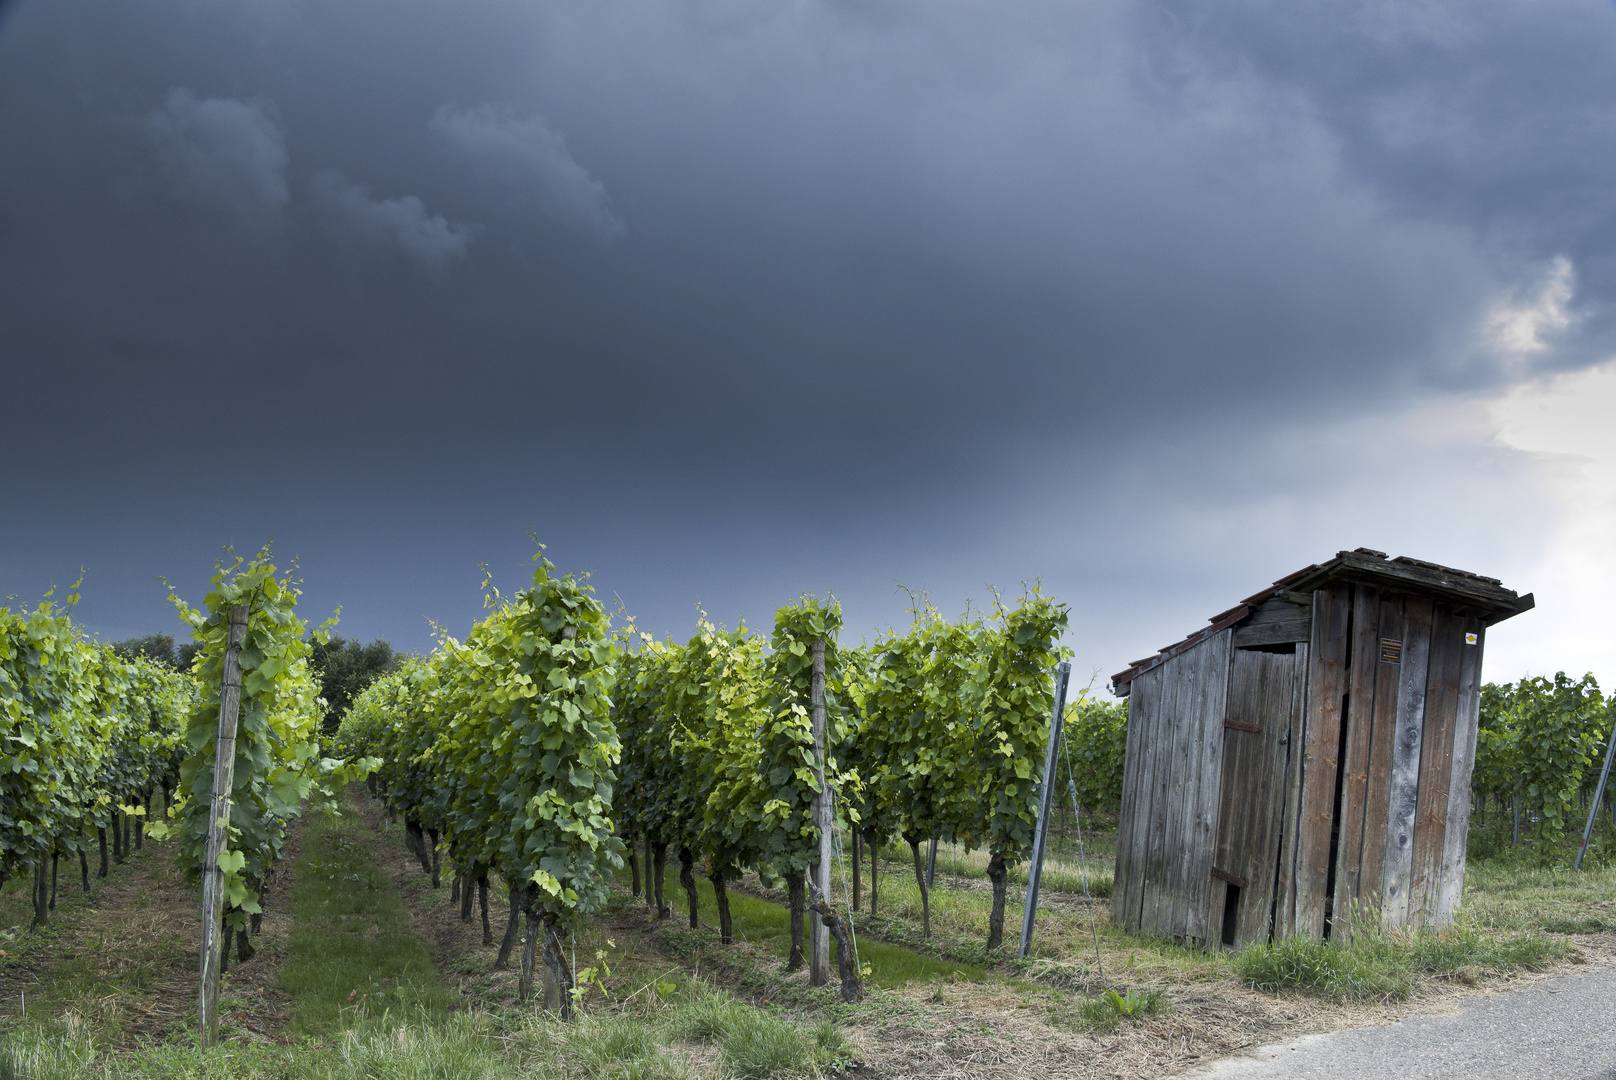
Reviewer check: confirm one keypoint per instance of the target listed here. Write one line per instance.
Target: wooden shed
(1303, 762)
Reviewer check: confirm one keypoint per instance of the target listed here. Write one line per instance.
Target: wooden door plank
(1207, 759)
(1364, 650)
(1274, 699)
(1327, 685)
(1383, 740)
(1398, 871)
(1457, 833)
(1246, 784)
(1217, 895)
(1436, 761)
(1242, 779)
(1284, 923)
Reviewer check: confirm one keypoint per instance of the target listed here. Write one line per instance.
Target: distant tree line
(343, 666)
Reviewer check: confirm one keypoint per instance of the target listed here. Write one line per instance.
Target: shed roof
(1473, 591)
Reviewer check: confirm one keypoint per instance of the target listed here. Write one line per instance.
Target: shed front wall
(1409, 695)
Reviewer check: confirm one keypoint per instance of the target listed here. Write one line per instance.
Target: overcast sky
(732, 300)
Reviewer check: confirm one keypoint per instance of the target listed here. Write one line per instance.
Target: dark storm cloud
(737, 285)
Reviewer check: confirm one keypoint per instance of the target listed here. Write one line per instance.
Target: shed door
(1264, 704)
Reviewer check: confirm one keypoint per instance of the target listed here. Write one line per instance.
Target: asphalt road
(1559, 1029)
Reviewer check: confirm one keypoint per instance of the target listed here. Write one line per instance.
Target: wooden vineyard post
(224, 767)
(1046, 800)
(818, 937)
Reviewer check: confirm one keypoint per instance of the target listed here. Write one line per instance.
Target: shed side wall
(1171, 782)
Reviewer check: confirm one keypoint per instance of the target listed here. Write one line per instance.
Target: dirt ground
(125, 957)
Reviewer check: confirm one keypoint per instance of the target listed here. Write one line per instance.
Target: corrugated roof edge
(1415, 574)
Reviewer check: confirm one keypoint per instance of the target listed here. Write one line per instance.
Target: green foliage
(150, 701)
(390, 721)
(344, 668)
(84, 731)
(1535, 742)
(1096, 736)
(647, 798)
(1013, 680)
(786, 765)
(719, 755)
(715, 698)
(55, 737)
(506, 742)
(915, 732)
(277, 761)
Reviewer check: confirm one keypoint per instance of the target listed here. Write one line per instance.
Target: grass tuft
(1317, 967)
(759, 1045)
(1384, 966)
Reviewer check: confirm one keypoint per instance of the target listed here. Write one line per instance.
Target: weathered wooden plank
(1383, 740)
(1148, 800)
(1279, 696)
(1175, 851)
(1125, 891)
(1436, 760)
(1360, 721)
(1122, 868)
(1202, 825)
(1150, 779)
(1186, 766)
(1217, 895)
(1243, 782)
(1158, 886)
(1398, 870)
(1457, 832)
(1327, 686)
(1273, 633)
(1284, 923)
(1486, 592)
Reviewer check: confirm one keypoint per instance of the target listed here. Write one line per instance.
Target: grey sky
(733, 300)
